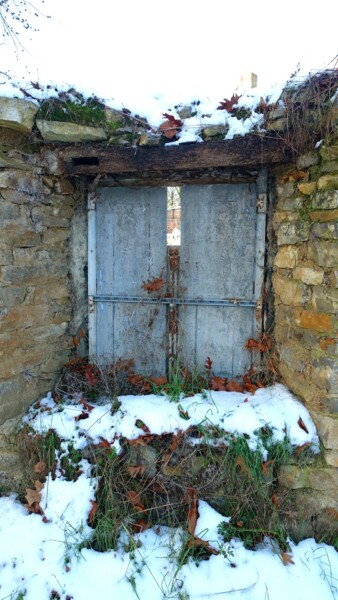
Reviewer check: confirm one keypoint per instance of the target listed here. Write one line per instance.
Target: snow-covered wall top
(68, 116)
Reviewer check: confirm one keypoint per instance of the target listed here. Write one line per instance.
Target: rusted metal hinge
(259, 309)
(261, 203)
(91, 304)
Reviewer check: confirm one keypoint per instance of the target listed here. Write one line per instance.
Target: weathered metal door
(218, 277)
(207, 305)
(130, 248)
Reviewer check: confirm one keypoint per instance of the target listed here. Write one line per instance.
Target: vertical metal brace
(92, 197)
(261, 206)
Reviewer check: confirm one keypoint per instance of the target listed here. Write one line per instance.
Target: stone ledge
(17, 114)
(59, 131)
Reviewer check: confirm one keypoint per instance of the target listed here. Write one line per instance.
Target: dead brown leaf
(154, 285)
(171, 126)
(135, 500)
(275, 500)
(240, 462)
(40, 467)
(218, 384)
(136, 471)
(92, 511)
(302, 425)
(193, 510)
(234, 386)
(195, 541)
(287, 558)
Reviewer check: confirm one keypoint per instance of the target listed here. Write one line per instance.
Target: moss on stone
(80, 111)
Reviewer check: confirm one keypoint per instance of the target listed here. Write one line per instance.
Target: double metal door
(152, 303)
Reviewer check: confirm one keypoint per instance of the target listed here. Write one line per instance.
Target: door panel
(131, 250)
(217, 263)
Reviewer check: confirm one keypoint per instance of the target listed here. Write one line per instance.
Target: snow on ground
(40, 557)
(233, 412)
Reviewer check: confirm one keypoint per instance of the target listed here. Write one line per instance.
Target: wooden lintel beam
(252, 151)
(168, 178)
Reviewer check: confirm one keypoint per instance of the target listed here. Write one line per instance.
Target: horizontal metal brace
(177, 301)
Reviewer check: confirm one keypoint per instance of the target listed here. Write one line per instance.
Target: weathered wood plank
(250, 151)
(168, 178)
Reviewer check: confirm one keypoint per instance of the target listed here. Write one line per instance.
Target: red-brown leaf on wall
(171, 126)
(228, 105)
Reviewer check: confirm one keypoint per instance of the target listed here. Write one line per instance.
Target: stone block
(185, 111)
(325, 299)
(309, 275)
(291, 204)
(8, 210)
(6, 255)
(324, 377)
(287, 257)
(25, 316)
(12, 295)
(297, 383)
(324, 215)
(324, 253)
(284, 216)
(322, 479)
(289, 291)
(331, 458)
(326, 231)
(214, 131)
(328, 168)
(11, 399)
(325, 200)
(294, 355)
(150, 139)
(55, 236)
(292, 233)
(307, 188)
(313, 320)
(286, 190)
(17, 197)
(327, 426)
(17, 114)
(23, 182)
(307, 160)
(327, 182)
(64, 186)
(18, 275)
(59, 131)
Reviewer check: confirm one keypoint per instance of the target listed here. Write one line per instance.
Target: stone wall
(36, 297)
(43, 280)
(306, 321)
